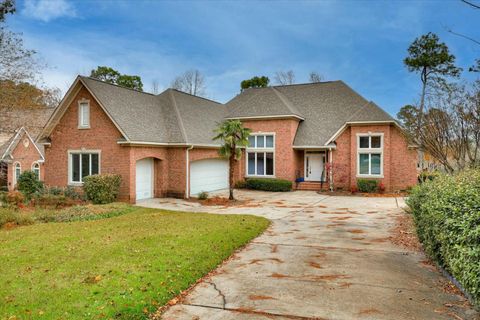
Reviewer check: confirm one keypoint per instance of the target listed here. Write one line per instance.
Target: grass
(118, 268)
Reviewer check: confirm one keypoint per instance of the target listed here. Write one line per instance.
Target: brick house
(19, 153)
(161, 145)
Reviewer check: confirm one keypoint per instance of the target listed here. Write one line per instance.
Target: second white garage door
(208, 175)
(144, 179)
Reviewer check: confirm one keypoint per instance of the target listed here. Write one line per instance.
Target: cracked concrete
(323, 258)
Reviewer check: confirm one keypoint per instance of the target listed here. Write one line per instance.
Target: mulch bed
(403, 233)
(219, 201)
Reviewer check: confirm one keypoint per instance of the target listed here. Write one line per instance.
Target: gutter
(187, 182)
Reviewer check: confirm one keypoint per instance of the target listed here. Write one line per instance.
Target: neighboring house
(162, 144)
(19, 153)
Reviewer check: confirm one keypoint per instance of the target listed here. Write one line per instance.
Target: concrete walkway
(323, 258)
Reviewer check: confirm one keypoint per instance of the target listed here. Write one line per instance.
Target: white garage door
(144, 178)
(208, 175)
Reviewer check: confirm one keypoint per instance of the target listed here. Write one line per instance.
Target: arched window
(36, 169)
(17, 172)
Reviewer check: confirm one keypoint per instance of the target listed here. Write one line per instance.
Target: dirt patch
(358, 239)
(327, 277)
(274, 248)
(315, 265)
(403, 233)
(356, 231)
(368, 312)
(340, 218)
(259, 261)
(9, 226)
(218, 201)
(379, 240)
(256, 298)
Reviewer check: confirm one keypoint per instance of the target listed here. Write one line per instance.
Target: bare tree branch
(463, 36)
(476, 6)
(284, 78)
(192, 82)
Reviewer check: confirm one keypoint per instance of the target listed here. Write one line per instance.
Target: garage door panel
(144, 179)
(208, 175)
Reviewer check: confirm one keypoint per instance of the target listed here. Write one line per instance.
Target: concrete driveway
(323, 257)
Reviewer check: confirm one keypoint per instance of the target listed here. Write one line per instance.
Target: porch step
(311, 186)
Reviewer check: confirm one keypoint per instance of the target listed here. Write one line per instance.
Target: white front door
(208, 175)
(144, 179)
(313, 166)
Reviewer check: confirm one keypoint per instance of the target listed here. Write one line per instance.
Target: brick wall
(399, 162)
(285, 157)
(25, 154)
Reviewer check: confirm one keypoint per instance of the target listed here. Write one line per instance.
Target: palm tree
(233, 136)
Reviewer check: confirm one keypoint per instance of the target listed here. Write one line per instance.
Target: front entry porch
(313, 175)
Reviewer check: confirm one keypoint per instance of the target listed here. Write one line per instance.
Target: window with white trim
(17, 173)
(36, 169)
(82, 164)
(370, 155)
(84, 114)
(261, 155)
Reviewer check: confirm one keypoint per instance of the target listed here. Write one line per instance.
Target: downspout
(330, 156)
(187, 182)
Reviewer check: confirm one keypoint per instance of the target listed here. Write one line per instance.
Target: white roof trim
(168, 144)
(7, 151)
(346, 124)
(62, 107)
(315, 147)
(266, 117)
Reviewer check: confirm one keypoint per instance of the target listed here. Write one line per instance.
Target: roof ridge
(286, 102)
(358, 111)
(302, 84)
(116, 85)
(192, 95)
(179, 118)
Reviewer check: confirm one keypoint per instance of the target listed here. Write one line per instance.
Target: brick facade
(170, 163)
(399, 162)
(26, 154)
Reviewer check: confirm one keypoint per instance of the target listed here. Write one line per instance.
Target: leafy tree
(476, 67)
(408, 117)
(6, 7)
(233, 136)
(432, 59)
(255, 82)
(191, 82)
(112, 76)
(23, 95)
(285, 78)
(315, 77)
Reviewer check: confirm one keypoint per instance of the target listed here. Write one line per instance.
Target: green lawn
(121, 267)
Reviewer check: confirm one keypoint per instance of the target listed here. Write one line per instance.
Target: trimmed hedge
(447, 217)
(264, 184)
(101, 189)
(367, 185)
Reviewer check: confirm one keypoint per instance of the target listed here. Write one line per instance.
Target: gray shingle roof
(176, 117)
(170, 117)
(325, 107)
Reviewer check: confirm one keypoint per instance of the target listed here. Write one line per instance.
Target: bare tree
(284, 78)
(155, 86)
(450, 132)
(315, 77)
(192, 82)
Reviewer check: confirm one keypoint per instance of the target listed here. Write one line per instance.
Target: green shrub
(367, 185)
(29, 184)
(101, 189)
(428, 176)
(10, 215)
(266, 184)
(71, 193)
(203, 195)
(447, 217)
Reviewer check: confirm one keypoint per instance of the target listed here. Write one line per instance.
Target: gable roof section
(170, 118)
(325, 107)
(7, 149)
(261, 103)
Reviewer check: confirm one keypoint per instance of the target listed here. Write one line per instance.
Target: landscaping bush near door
(101, 189)
(447, 217)
(29, 184)
(367, 185)
(269, 184)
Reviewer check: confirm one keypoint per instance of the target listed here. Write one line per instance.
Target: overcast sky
(360, 42)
